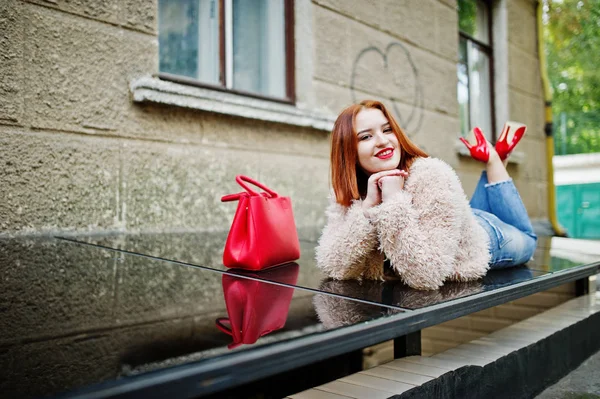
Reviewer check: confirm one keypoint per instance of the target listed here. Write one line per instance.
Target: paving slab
(581, 383)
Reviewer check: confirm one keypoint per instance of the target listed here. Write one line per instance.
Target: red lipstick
(385, 153)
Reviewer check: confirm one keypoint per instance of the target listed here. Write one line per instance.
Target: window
(244, 46)
(475, 95)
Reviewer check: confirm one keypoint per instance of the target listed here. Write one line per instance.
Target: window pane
(483, 23)
(259, 47)
(188, 38)
(479, 89)
(463, 89)
(474, 19)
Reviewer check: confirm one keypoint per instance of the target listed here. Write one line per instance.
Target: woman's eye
(387, 130)
(364, 137)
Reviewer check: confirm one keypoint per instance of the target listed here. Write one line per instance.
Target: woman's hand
(373, 197)
(391, 185)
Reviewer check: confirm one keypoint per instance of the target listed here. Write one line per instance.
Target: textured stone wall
(419, 40)
(526, 102)
(78, 154)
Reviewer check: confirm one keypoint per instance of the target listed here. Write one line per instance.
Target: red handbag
(255, 307)
(263, 232)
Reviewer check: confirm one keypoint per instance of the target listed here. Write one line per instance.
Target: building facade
(94, 140)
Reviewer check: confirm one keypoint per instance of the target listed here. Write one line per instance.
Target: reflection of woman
(336, 312)
(395, 293)
(500, 277)
(392, 201)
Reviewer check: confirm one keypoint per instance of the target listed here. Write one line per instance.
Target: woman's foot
(479, 151)
(494, 156)
(512, 133)
(485, 152)
(496, 166)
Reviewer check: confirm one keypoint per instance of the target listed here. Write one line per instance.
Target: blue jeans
(499, 209)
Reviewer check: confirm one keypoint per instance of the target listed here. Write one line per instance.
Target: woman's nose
(382, 139)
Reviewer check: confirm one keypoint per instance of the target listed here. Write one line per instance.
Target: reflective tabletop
(205, 250)
(79, 311)
(75, 315)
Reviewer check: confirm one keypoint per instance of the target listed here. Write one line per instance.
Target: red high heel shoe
(480, 150)
(512, 133)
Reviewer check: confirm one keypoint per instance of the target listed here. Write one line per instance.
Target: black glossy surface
(267, 362)
(75, 315)
(206, 249)
(395, 293)
(555, 254)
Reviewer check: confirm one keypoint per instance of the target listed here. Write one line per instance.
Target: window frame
(223, 28)
(488, 49)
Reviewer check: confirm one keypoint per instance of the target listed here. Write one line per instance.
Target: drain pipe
(558, 229)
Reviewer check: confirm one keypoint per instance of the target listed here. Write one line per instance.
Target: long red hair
(348, 179)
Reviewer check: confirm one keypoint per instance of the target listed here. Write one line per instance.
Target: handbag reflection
(263, 232)
(256, 308)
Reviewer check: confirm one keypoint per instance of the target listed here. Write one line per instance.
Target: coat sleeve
(421, 239)
(347, 248)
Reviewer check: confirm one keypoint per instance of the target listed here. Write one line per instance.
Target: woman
(393, 201)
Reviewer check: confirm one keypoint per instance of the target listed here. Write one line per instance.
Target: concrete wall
(78, 153)
(526, 103)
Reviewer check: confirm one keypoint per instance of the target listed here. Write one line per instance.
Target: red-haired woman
(393, 201)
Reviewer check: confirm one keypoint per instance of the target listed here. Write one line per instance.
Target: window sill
(154, 90)
(516, 157)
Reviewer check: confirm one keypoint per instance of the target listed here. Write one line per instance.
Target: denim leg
(519, 248)
(505, 202)
(479, 200)
(509, 246)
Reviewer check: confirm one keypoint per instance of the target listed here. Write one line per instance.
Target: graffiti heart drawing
(392, 74)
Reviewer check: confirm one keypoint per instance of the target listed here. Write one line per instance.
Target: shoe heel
(512, 133)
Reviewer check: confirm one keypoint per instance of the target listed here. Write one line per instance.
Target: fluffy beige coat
(427, 231)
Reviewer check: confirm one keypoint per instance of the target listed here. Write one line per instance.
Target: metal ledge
(154, 90)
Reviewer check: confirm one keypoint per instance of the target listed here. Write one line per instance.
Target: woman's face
(378, 147)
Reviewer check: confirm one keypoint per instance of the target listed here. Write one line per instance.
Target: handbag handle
(236, 197)
(222, 327)
(226, 330)
(241, 179)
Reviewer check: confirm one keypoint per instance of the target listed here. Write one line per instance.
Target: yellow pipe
(558, 229)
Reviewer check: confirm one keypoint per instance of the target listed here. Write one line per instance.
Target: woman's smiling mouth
(385, 153)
